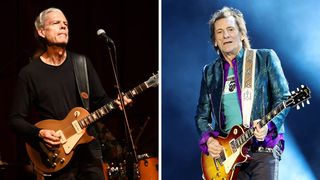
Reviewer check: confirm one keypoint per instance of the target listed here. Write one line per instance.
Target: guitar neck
(97, 114)
(247, 135)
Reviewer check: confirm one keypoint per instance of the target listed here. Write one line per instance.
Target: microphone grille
(100, 31)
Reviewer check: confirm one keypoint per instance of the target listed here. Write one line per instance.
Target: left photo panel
(80, 90)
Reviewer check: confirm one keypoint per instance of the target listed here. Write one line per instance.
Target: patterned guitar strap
(247, 89)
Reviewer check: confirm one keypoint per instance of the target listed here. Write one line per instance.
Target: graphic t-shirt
(230, 102)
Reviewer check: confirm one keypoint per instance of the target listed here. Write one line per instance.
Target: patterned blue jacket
(271, 88)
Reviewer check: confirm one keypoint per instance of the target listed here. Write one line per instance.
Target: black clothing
(52, 90)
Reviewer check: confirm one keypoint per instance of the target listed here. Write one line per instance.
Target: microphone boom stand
(127, 126)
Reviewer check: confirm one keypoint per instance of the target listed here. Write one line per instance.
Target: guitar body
(48, 160)
(235, 144)
(72, 131)
(225, 167)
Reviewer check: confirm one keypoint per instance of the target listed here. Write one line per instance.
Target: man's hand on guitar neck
(50, 137)
(126, 100)
(260, 133)
(214, 147)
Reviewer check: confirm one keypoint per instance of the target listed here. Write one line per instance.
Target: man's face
(55, 29)
(227, 35)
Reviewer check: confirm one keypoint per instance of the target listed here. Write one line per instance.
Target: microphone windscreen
(100, 32)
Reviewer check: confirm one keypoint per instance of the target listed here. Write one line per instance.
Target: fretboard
(247, 135)
(97, 114)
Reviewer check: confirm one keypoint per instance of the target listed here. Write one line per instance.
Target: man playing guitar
(48, 83)
(239, 88)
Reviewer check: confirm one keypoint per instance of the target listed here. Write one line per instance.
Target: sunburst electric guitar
(224, 167)
(72, 130)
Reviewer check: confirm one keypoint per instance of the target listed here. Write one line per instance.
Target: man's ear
(41, 33)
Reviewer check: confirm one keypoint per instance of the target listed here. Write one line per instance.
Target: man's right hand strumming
(214, 147)
(50, 137)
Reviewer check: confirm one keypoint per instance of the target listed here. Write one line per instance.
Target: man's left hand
(127, 101)
(260, 133)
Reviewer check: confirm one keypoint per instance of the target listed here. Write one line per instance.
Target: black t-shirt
(52, 90)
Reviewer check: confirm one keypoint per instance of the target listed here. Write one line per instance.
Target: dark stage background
(291, 28)
(133, 26)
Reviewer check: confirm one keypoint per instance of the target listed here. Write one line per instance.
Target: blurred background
(291, 28)
(133, 26)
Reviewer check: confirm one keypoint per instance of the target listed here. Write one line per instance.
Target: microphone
(102, 34)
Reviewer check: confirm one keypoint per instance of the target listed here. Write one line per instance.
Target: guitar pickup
(76, 126)
(233, 145)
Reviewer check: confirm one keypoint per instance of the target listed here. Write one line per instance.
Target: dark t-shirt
(52, 91)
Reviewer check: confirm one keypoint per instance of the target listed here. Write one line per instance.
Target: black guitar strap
(81, 75)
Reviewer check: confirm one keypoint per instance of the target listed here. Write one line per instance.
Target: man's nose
(226, 34)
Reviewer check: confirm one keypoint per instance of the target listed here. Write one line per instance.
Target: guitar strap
(247, 90)
(81, 75)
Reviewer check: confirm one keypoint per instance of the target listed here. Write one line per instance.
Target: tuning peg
(302, 86)
(302, 104)
(292, 92)
(308, 102)
(298, 89)
(298, 107)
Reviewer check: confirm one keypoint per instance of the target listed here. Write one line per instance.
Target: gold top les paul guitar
(72, 131)
(224, 167)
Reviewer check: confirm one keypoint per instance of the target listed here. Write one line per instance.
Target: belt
(263, 149)
(278, 148)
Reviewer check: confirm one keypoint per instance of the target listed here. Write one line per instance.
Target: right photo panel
(240, 90)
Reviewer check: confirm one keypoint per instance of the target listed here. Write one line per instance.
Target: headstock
(299, 97)
(153, 81)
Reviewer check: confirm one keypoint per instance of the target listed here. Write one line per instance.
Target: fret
(239, 141)
(131, 93)
(242, 139)
(101, 111)
(86, 121)
(144, 86)
(275, 112)
(79, 122)
(97, 113)
(134, 92)
(110, 106)
(94, 115)
(141, 89)
(247, 136)
(251, 131)
(90, 119)
(105, 108)
(268, 117)
(82, 123)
